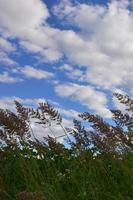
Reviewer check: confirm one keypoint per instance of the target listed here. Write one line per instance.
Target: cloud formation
(87, 96)
(21, 16)
(104, 42)
(6, 78)
(32, 72)
(95, 40)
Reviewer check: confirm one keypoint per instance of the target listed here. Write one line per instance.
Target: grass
(97, 166)
(62, 176)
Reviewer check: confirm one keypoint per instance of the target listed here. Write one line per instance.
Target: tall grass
(64, 177)
(97, 166)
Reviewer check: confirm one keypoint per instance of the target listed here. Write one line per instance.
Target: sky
(72, 53)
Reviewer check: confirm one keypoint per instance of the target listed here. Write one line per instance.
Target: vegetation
(97, 166)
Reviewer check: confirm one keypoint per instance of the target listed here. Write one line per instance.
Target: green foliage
(98, 166)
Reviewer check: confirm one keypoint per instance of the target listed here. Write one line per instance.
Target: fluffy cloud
(42, 41)
(19, 16)
(6, 45)
(104, 42)
(6, 78)
(6, 48)
(87, 96)
(8, 102)
(98, 45)
(31, 72)
(6, 60)
(27, 21)
(72, 73)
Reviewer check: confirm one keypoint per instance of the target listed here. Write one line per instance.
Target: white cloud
(72, 72)
(68, 113)
(31, 72)
(66, 67)
(18, 15)
(104, 42)
(6, 48)
(42, 41)
(8, 102)
(5, 60)
(6, 45)
(94, 46)
(27, 21)
(87, 96)
(6, 78)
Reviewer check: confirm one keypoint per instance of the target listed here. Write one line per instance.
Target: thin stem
(65, 132)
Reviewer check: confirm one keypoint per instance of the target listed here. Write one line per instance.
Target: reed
(98, 166)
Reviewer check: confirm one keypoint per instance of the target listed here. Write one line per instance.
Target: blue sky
(74, 54)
